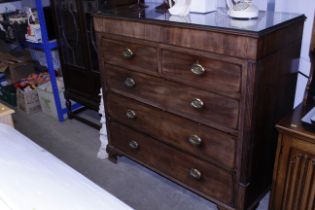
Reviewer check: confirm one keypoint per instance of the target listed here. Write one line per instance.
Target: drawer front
(223, 43)
(200, 141)
(195, 104)
(202, 72)
(138, 57)
(207, 179)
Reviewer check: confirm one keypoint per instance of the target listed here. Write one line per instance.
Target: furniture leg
(112, 154)
(221, 208)
(255, 206)
(69, 108)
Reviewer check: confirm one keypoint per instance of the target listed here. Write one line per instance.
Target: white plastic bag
(181, 8)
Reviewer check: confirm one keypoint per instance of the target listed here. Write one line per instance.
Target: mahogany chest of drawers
(197, 103)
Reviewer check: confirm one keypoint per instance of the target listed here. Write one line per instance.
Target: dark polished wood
(214, 182)
(222, 208)
(142, 57)
(273, 99)
(225, 43)
(309, 96)
(220, 76)
(112, 153)
(118, 3)
(200, 100)
(76, 41)
(218, 111)
(68, 105)
(218, 148)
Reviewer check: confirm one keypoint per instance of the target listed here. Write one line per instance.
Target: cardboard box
(6, 60)
(16, 67)
(47, 100)
(28, 101)
(19, 71)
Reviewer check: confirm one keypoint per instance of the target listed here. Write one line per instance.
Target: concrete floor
(77, 145)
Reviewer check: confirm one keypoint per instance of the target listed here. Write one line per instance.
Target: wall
(9, 7)
(305, 7)
(12, 6)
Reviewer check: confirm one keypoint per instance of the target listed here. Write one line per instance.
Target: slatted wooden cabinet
(294, 175)
(198, 104)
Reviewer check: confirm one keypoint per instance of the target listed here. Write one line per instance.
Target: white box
(203, 6)
(47, 100)
(27, 101)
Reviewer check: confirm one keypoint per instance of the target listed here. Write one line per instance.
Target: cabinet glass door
(69, 33)
(91, 7)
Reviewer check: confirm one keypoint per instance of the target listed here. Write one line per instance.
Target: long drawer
(198, 175)
(195, 104)
(200, 141)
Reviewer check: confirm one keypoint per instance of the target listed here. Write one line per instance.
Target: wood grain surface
(247, 85)
(214, 181)
(218, 148)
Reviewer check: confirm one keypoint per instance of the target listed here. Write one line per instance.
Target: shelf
(47, 46)
(52, 44)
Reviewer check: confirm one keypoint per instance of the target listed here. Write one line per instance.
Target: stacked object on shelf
(27, 96)
(13, 26)
(46, 98)
(33, 28)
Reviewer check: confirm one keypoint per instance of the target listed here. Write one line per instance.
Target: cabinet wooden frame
(81, 78)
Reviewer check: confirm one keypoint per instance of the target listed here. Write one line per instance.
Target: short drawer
(202, 72)
(195, 104)
(195, 174)
(138, 57)
(201, 141)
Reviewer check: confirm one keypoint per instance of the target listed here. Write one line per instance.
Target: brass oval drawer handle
(197, 103)
(195, 140)
(129, 82)
(127, 53)
(131, 114)
(134, 145)
(197, 69)
(195, 173)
